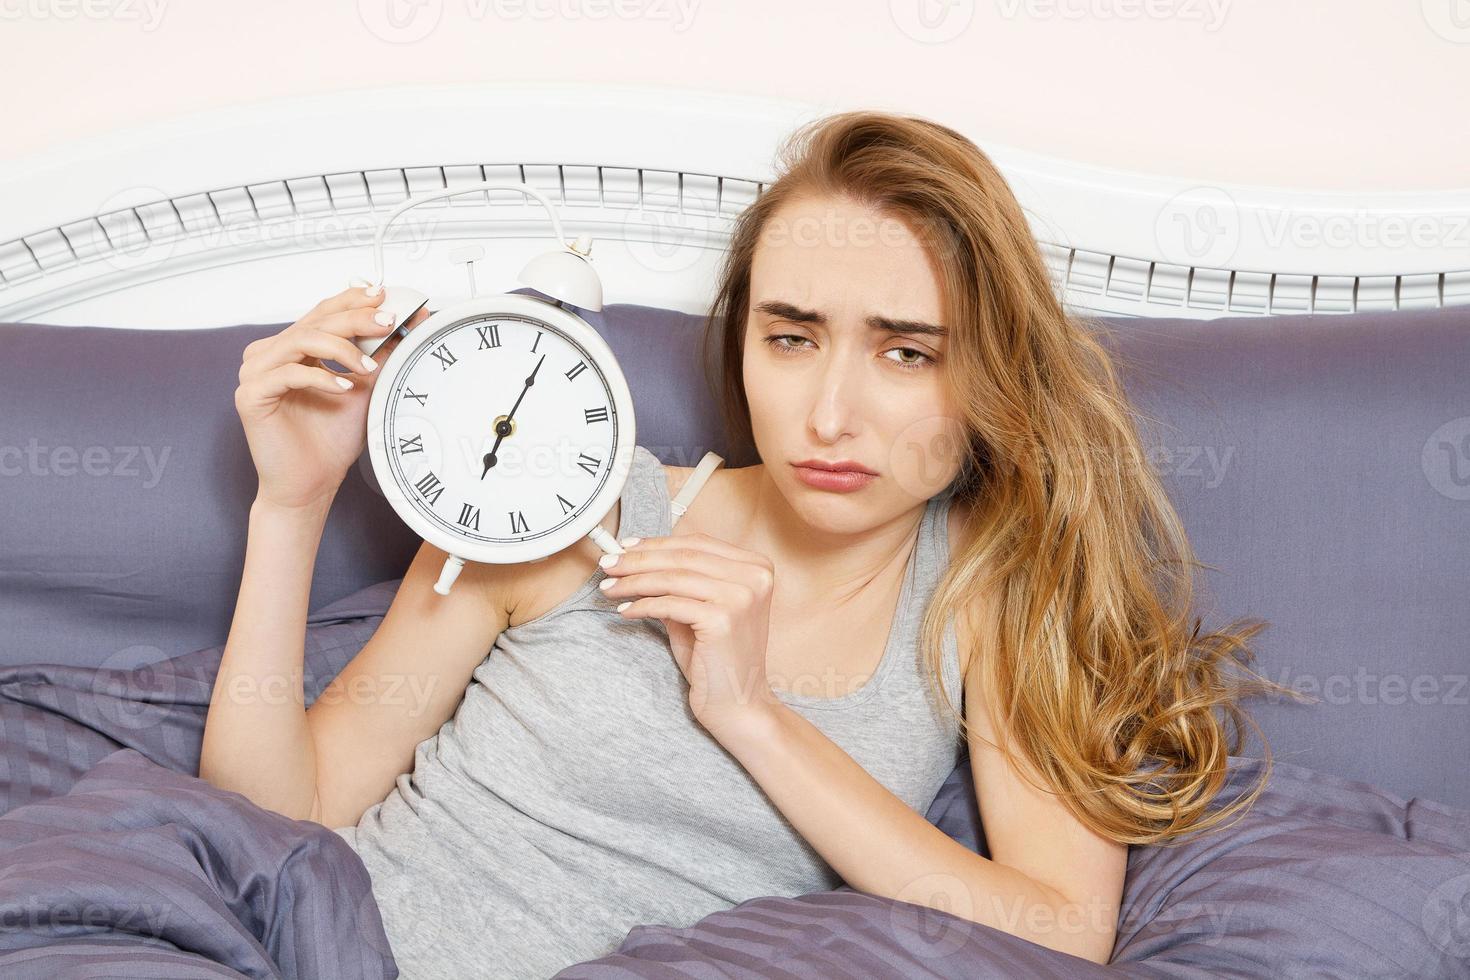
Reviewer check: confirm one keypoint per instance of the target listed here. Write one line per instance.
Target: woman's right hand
(305, 430)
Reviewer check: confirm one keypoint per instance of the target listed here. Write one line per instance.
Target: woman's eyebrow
(788, 311)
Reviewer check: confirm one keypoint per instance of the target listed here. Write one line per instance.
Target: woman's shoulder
(545, 583)
(720, 503)
(676, 477)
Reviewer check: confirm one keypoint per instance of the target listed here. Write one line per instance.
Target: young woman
(767, 700)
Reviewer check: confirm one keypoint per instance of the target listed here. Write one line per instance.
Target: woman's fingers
(308, 345)
(351, 298)
(711, 556)
(288, 377)
(692, 585)
(703, 542)
(362, 321)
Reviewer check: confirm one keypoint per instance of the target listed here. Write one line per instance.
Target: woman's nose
(836, 405)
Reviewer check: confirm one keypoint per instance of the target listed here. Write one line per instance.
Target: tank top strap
(647, 511)
(711, 462)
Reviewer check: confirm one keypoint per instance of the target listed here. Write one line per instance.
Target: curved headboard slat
(262, 206)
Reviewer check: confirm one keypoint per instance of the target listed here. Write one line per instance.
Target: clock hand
(529, 382)
(503, 427)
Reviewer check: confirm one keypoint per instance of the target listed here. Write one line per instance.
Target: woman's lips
(842, 481)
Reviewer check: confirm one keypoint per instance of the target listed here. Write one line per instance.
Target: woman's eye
(920, 358)
(790, 343)
(776, 341)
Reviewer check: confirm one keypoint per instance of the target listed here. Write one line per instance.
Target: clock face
(500, 429)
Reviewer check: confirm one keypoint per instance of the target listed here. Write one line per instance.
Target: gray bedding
(119, 862)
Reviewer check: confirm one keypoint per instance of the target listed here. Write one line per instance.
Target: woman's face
(844, 361)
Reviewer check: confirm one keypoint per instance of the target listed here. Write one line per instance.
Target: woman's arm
(306, 426)
(1050, 880)
(331, 763)
(256, 739)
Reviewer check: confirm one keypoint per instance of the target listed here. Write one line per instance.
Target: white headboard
(252, 214)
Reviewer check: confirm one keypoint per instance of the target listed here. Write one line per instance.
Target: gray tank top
(573, 795)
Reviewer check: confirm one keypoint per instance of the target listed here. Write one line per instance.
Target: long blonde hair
(1086, 656)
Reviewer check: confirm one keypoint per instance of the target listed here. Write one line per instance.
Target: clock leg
(448, 574)
(605, 541)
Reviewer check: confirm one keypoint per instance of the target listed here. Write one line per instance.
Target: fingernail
(374, 290)
(383, 318)
(607, 561)
(606, 584)
(629, 542)
(368, 364)
(345, 383)
(624, 605)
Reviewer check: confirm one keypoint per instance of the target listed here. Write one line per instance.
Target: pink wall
(1325, 94)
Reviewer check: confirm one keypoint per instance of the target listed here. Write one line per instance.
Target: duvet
(116, 861)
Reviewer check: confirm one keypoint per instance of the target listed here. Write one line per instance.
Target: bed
(1302, 353)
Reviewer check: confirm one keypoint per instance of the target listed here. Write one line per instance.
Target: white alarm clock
(501, 428)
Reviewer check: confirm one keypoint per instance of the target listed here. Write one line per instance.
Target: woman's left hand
(715, 600)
